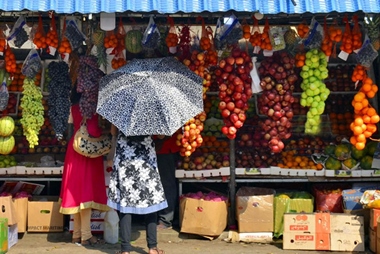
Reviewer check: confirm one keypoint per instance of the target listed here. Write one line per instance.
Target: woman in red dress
(83, 183)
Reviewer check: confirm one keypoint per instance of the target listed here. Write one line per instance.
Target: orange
(359, 96)
(353, 140)
(375, 118)
(360, 145)
(360, 138)
(358, 121)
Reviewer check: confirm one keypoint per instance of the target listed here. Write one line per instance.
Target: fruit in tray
(212, 127)
(7, 161)
(200, 161)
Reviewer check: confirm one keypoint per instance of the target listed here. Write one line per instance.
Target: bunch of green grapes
(32, 111)
(315, 92)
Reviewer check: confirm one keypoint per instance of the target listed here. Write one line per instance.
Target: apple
(230, 106)
(242, 117)
(232, 130)
(222, 105)
(234, 117)
(238, 124)
(230, 60)
(226, 113)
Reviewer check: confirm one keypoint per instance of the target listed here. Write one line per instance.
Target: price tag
(173, 50)
(52, 50)
(109, 51)
(66, 57)
(256, 50)
(343, 55)
(268, 52)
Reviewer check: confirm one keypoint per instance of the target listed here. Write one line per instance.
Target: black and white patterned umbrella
(154, 96)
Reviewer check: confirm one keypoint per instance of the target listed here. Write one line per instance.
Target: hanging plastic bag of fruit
(356, 34)
(327, 43)
(64, 48)
(18, 35)
(110, 42)
(335, 34)
(276, 36)
(266, 44)
(74, 34)
(119, 58)
(303, 29)
(4, 94)
(38, 34)
(32, 64)
(184, 43)
(346, 46)
(205, 41)
(10, 61)
(151, 37)
(230, 33)
(212, 54)
(315, 37)
(172, 37)
(52, 36)
(120, 34)
(3, 39)
(367, 54)
(255, 38)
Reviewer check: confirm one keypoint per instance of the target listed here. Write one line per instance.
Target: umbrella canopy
(154, 96)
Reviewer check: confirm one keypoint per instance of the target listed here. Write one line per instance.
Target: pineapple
(373, 30)
(290, 36)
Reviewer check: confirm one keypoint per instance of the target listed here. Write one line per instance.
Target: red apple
(234, 117)
(222, 63)
(225, 113)
(230, 106)
(232, 130)
(230, 60)
(242, 117)
(222, 105)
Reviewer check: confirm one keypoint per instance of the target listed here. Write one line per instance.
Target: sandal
(93, 241)
(156, 251)
(75, 240)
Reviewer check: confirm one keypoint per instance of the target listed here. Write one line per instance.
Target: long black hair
(74, 95)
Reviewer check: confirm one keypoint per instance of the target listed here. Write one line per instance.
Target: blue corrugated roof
(192, 6)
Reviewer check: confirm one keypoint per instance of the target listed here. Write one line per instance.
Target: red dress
(83, 182)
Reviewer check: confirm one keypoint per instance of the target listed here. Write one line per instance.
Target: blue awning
(192, 6)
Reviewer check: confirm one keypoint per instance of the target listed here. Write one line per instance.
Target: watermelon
(6, 144)
(7, 126)
(133, 41)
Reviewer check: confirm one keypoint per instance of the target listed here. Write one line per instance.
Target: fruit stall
(287, 97)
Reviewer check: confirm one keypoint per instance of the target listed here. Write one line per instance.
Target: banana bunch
(32, 111)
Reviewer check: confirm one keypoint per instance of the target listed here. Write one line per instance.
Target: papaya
(330, 149)
(358, 154)
(350, 163)
(366, 162)
(333, 164)
(342, 151)
(371, 147)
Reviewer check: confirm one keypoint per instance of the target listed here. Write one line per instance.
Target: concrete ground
(170, 240)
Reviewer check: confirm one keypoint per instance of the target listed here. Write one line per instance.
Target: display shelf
(181, 173)
(343, 173)
(22, 170)
(252, 171)
(296, 172)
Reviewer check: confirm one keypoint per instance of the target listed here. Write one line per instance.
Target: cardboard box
(12, 235)
(21, 208)
(351, 197)
(372, 240)
(44, 215)
(202, 217)
(347, 242)
(361, 212)
(346, 224)
(311, 222)
(8, 209)
(306, 241)
(254, 209)
(374, 214)
(290, 202)
(3, 235)
(15, 187)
